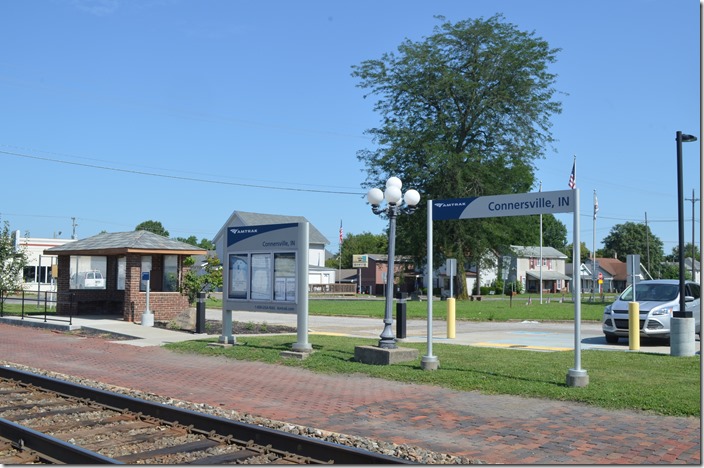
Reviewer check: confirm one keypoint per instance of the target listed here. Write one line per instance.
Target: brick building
(104, 274)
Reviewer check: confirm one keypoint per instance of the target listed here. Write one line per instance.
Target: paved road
(531, 335)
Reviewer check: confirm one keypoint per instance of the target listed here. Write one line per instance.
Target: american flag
(340, 231)
(596, 204)
(573, 178)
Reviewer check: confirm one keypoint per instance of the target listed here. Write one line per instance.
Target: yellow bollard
(450, 317)
(633, 326)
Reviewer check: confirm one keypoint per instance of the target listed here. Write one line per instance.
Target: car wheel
(611, 339)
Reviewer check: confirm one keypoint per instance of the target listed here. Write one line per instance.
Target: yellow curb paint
(518, 346)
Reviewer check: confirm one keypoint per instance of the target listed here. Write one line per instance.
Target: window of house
(88, 271)
(170, 283)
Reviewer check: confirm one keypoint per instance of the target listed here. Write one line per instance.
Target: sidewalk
(492, 428)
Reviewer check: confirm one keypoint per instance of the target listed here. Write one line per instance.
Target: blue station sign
(521, 204)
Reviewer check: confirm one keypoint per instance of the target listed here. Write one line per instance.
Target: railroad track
(46, 420)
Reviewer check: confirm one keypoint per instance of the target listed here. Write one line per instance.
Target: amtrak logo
(450, 204)
(244, 231)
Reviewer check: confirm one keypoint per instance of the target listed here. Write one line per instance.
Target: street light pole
(394, 200)
(682, 323)
(680, 218)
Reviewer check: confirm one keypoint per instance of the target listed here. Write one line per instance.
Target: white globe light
(375, 196)
(393, 195)
(412, 197)
(394, 182)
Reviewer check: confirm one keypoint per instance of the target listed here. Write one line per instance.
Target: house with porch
(524, 265)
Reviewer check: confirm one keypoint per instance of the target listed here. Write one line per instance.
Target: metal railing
(333, 289)
(33, 306)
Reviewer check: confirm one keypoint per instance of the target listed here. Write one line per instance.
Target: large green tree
(635, 239)
(152, 226)
(465, 113)
(359, 244)
(688, 249)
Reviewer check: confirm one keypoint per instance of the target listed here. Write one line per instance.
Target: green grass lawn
(652, 382)
(501, 309)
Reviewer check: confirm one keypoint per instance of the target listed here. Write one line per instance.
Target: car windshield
(652, 292)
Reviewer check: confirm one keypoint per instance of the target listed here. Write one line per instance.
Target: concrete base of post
(429, 363)
(682, 341)
(302, 348)
(225, 340)
(577, 378)
(384, 356)
(295, 355)
(148, 319)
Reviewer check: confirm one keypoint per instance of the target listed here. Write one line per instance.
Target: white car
(657, 300)
(92, 279)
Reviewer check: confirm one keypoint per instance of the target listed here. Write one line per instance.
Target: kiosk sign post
(266, 270)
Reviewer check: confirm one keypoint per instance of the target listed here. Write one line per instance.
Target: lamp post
(680, 327)
(394, 206)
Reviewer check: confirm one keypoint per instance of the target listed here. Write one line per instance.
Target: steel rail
(51, 447)
(282, 441)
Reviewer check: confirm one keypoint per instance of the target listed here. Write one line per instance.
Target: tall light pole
(680, 329)
(394, 206)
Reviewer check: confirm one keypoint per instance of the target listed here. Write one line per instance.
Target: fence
(34, 307)
(333, 289)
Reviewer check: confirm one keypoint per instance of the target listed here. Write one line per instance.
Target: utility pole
(693, 200)
(73, 220)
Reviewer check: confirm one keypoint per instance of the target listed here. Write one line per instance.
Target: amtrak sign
(517, 204)
(520, 204)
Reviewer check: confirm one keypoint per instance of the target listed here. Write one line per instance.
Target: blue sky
(182, 111)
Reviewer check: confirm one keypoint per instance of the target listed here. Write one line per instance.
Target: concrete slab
(384, 356)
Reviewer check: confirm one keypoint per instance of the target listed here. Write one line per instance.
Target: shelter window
(170, 273)
(121, 273)
(88, 272)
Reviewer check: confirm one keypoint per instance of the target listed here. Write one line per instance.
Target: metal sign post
(522, 204)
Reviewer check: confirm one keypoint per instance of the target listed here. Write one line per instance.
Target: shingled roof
(118, 243)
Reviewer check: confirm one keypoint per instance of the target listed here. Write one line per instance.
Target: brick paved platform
(495, 429)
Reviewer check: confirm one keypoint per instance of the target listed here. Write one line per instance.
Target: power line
(164, 176)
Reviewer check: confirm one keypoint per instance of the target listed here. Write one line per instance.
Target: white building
(37, 275)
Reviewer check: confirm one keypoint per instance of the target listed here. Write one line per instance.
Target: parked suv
(657, 300)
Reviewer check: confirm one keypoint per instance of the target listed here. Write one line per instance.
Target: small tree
(207, 281)
(12, 263)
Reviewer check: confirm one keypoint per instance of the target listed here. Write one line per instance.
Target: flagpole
(339, 269)
(576, 269)
(594, 272)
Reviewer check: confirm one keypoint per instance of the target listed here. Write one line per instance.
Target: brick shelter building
(105, 274)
